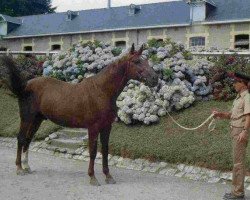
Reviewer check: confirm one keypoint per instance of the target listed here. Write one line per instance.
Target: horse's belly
(63, 115)
(107, 119)
(74, 122)
(71, 122)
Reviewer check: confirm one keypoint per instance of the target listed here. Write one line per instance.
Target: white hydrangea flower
(153, 118)
(162, 112)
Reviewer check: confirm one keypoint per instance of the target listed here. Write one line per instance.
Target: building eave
(225, 22)
(98, 31)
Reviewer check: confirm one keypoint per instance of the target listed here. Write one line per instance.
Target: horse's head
(139, 68)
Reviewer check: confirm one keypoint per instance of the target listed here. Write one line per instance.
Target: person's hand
(217, 114)
(243, 136)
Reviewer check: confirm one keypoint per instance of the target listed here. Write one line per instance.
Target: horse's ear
(141, 50)
(132, 50)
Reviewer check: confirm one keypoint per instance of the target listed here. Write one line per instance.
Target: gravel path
(60, 178)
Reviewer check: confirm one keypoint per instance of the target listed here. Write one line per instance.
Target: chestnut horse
(90, 104)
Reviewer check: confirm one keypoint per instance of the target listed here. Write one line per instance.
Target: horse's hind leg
(25, 135)
(31, 132)
(93, 136)
(21, 140)
(19, 170)
(104, 136)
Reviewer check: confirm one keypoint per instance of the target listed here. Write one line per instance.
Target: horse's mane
(125, 56)
(112, 67)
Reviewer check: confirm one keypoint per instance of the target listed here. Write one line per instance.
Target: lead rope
(211, 125)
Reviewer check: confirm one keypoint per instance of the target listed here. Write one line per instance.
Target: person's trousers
(239, 157)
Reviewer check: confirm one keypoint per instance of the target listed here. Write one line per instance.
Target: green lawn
(9, 120)
(160, 142)
(167, 142)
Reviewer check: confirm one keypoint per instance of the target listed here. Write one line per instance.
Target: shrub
(187, 55)
(97, 43)
(154, 59)
(168, 72)
(116, 51)
(31, 65)
(155, 43)
(222, 86)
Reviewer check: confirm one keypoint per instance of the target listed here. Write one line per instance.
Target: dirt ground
(64, 179)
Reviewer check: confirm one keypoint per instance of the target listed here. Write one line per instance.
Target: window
(55, 47)
(3, 49)
(120, 44)
(27, 48)
(242, 41)
(197, 41)
(159, 40)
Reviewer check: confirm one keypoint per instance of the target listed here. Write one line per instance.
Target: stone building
(208, 23)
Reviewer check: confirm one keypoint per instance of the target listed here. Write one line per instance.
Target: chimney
(109, 3)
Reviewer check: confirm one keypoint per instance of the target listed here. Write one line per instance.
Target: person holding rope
(240, 128)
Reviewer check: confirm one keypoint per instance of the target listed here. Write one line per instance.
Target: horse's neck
(114, 79)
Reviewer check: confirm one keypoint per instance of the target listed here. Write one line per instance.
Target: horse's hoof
(28, 170)
(110, 180)
(21, 172)
(94, 181)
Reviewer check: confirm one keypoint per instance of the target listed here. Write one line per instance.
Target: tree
(25, 7)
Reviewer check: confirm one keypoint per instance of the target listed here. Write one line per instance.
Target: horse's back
(50, 92)
(40, 83)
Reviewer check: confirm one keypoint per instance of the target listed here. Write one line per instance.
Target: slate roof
(230, 10)
(174, 13)
(157, 14)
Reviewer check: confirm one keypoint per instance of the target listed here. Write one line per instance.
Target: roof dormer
(70, 15)
(134, 9)
(8, 24)
(200, 9)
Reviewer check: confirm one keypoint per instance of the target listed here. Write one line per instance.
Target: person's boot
(231, 196)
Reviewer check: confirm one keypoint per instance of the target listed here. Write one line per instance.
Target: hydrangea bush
(182, 80)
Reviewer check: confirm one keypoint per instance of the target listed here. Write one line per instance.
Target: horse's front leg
(93, 136)
(105, 150)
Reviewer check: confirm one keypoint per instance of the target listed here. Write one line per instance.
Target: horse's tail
(14, 79)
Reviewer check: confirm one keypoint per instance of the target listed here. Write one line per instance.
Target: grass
(9, 121)
(160, 142)
(167, 142)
